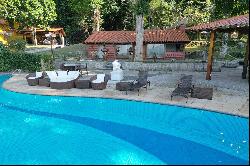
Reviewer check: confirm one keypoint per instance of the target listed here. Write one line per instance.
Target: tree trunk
(224, 47)
(97, 19)
(139, 38)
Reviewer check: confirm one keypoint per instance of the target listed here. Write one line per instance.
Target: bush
(10, 61)
(16, 45)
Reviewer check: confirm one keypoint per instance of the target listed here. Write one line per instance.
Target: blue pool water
(73, 130)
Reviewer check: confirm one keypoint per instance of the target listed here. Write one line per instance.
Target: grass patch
(72, 51)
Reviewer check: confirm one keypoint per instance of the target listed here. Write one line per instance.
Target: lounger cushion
(99, 79)
(62, 73)
(73, 74)
(39, 74)
(32, 78)
(51, 74)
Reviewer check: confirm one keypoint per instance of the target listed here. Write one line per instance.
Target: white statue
(116, 65)
(117, 73)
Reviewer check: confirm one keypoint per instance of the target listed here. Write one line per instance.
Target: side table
(83, 82)
(202, 93)
(123, 86)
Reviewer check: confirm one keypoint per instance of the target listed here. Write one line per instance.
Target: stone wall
(160, 66)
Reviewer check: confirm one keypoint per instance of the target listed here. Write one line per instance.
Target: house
(160, 44)
(6, 32)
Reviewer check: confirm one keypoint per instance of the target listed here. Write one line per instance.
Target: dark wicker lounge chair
(33, 78)
(184, 87)
(141, 82)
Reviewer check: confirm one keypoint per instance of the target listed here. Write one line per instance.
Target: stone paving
(230, 95)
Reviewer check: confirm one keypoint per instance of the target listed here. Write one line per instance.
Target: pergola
(233, 24)
(42, 33)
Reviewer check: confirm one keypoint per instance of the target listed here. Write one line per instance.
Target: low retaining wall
(159, 66)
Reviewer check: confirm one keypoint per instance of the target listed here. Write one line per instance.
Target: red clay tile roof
(128, 37)
(110, 37)
(237, 21)
(165, 36)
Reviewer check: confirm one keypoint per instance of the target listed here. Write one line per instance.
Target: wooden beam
(246, 59)
(133, 47)
(210, 55)
(144, 52)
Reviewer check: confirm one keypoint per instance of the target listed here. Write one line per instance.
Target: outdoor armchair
(33, 78)
(99, 82)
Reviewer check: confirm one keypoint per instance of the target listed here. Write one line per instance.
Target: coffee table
(83, 82)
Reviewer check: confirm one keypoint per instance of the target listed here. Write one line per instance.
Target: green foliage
(163, 14)
(232, 8)
(10, 61)
(76, 16)
(16, 45)
(36, 13)
(141, 7)
(117, 15)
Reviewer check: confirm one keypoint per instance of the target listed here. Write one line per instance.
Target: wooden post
(210, 55)
(133, 47)
(144, 52)
(246, 59)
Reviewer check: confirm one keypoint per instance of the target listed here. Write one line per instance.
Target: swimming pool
(38, 129)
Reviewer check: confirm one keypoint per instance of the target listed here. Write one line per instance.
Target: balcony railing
(174, 55)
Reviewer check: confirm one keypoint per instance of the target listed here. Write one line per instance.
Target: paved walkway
(231, 93)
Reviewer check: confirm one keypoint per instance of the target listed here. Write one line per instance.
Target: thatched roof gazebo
(237, 23)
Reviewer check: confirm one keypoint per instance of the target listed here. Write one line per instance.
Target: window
(178, 47)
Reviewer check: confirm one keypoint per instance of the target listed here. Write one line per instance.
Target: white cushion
(51, 74)
(62, 73)
(39, 74)
(63, 76)
(99, 79)
(32, 78)
(73, 74)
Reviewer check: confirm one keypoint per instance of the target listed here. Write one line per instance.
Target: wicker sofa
(63, 79)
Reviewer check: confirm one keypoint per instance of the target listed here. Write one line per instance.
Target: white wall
(158, 49)
(124, 49)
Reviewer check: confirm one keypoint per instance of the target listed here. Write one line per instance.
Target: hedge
(10, 61)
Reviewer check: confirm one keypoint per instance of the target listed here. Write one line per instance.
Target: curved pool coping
(133, 100)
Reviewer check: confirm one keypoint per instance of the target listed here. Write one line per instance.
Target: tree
(29, 13)
(71, 21)
(36, 13)
(164, 14)
(233, 8)
(89, 11)
(117, 15)
(141, 8)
